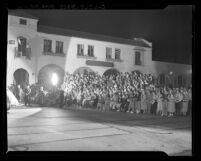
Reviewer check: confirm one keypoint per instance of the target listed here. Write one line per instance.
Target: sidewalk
(22, 106)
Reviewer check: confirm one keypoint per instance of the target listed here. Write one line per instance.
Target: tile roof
(73, 33)
(21, 14)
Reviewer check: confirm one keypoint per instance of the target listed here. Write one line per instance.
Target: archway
(21, 76)
(84, 70)
(111, 72)
(45, 75)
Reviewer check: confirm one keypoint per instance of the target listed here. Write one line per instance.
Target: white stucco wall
(127, 56)
(29, 32)
(70, 61)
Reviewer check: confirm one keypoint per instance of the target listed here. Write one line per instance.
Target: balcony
(86, 56)
(26, 52)
(50, 53)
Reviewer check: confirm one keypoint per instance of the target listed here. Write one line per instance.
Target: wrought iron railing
(26, 53)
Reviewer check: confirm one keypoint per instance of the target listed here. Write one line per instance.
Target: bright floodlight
(54, 79)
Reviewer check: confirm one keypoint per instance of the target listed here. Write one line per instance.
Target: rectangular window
(80, 49)
(23, 22)
(22, 43)
(138, 58)
(117, 54)
(90, 50)
(59, 47)
(108, 53)
(47, 45)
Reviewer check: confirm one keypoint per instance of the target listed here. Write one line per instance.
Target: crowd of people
(134, 93)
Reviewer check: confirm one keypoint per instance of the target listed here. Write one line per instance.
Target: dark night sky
(170, 29)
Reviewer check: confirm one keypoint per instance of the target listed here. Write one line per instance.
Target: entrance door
(21, 77)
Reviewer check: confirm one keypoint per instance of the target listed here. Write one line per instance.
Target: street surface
(56, 129)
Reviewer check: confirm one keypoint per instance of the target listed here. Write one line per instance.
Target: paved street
(55, 129)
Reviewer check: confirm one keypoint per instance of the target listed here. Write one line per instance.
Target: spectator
(171, 103)
(184, 107)
(164, 102)
(153, 103)
(41, 96)
(27, 92)
(190, 101)
(159, 103)
(143, 102)
(178, 103)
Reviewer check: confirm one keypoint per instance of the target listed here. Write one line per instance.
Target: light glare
(54, 79)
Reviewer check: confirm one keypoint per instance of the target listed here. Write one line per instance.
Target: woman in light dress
(184, 108)
(171, 103)
(160, 103)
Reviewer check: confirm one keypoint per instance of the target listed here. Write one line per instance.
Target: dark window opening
(23, 22)
(80, 49)
(22, 43)
(59, 47)
(47, 45)
(117, 53)
(108, 53)
(90, 50)
(137, 58)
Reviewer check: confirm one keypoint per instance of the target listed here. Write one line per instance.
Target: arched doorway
(84, 70)
(111, 72)
(21, 76)
(45, 75)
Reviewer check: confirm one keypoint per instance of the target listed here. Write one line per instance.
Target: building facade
(35, 51)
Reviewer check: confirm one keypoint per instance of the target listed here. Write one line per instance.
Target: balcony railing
(86, 56)
(26, 53)
(50, 53)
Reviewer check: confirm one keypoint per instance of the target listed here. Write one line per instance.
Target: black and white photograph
(100, 80)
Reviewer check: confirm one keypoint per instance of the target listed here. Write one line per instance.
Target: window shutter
(28, 53)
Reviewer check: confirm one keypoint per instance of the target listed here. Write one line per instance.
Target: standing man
(178, 104)
(41, 96)
(190, 101)
(61, 98)
(27, 93)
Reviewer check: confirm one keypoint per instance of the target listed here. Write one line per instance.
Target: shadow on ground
(117, 118)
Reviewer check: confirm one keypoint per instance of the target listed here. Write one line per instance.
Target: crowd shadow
(89, 115)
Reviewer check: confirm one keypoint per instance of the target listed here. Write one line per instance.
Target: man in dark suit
(61, 98)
